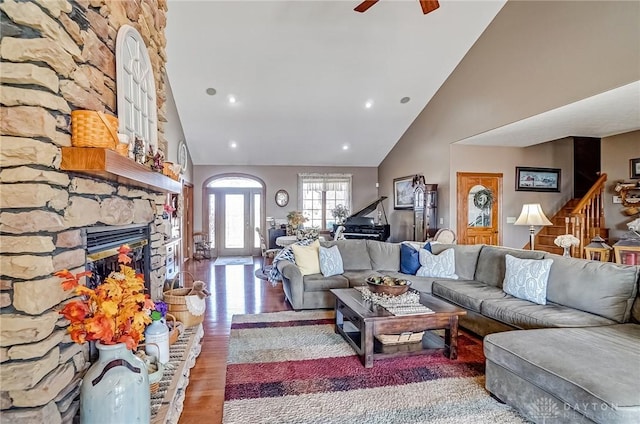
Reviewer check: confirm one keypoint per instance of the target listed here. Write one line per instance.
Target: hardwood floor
(234, 290)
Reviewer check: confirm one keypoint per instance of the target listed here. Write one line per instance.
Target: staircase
(584, 218)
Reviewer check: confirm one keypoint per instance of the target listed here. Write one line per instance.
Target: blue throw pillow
(410, 258)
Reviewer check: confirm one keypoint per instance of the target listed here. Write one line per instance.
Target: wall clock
(282, 198)
(183, 156)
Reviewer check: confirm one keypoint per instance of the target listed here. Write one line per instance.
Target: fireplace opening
(102, 245)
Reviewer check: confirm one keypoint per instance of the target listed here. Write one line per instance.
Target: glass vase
(115, 389)
(567, 252)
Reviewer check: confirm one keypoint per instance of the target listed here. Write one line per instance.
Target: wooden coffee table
(370, 320)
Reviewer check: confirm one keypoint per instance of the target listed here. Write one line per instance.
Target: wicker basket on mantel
(90, 128)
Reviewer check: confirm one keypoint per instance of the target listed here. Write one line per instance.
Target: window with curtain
(319, 194)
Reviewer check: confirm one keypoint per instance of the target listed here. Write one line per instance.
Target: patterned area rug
(234, 260)
(291, 367)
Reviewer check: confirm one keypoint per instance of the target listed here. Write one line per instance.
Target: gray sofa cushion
(466, 257)
(524, 314)
(318, 282)
(589, 369)
(468, 294)
(602, 288)
(354, 253)
(384, 256)
(358, 277)
(491, 262)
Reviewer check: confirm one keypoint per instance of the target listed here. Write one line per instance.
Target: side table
(628, 255)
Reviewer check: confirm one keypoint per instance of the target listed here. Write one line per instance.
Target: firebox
(102, 245)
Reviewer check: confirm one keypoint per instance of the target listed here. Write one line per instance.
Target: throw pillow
(410, 258)
(527, 278)
(440, 266)
(330, 261)
(307, 258)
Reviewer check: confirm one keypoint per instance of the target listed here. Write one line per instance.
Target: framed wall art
(403, 193)
(537, 179)
(634, 168)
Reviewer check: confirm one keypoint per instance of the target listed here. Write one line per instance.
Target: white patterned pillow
(441, 266)
(330, 261)
(527, 278)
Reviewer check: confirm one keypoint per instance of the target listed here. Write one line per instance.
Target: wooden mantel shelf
(110, 165)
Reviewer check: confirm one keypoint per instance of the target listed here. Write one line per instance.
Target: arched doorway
(233, 207)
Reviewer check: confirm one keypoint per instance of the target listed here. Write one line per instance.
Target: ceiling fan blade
(428, 5)
(362, 7)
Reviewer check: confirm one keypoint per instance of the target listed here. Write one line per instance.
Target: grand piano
(360, 226)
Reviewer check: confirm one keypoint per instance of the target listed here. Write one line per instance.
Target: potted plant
(340, 213)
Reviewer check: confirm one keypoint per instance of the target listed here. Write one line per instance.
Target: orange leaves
(75, 311)
(129, 341)
(117, 311)
(70, 280)
(100, 327)
(123, 251)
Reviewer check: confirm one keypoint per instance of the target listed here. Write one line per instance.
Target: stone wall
(57, 56)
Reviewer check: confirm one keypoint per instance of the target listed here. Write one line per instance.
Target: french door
(233, 216)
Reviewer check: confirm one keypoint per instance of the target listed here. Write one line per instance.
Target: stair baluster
(584, 218)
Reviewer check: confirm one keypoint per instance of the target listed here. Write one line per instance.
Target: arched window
(236, 182)
(137, 113)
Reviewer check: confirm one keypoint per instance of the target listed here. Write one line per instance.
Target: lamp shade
(532, 215)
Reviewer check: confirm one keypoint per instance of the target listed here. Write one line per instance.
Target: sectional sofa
(574, 359)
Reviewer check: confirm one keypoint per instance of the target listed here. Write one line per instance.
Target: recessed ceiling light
(345, 147)
(211, 91)
(232, 99)
(368, 104)
(233, 144)
(405, 99)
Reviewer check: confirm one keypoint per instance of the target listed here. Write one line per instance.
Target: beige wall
(535, 56)
(616, 152)
(557, 154)
(174, 133)
(286, 177)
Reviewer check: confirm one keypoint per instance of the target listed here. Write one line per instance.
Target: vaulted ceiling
(302, 72)
(316, 83)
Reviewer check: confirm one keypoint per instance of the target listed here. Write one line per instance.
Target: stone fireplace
(58, 56)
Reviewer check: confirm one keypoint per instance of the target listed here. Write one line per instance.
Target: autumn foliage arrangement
(117, 311)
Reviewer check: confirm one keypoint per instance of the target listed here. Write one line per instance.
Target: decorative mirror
(282, 198)
(136, 93)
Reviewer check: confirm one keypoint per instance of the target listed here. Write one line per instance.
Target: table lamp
(532, 216)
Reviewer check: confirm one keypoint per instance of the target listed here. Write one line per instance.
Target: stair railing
(587, 217)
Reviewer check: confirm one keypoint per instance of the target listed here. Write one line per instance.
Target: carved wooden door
(478, 203)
